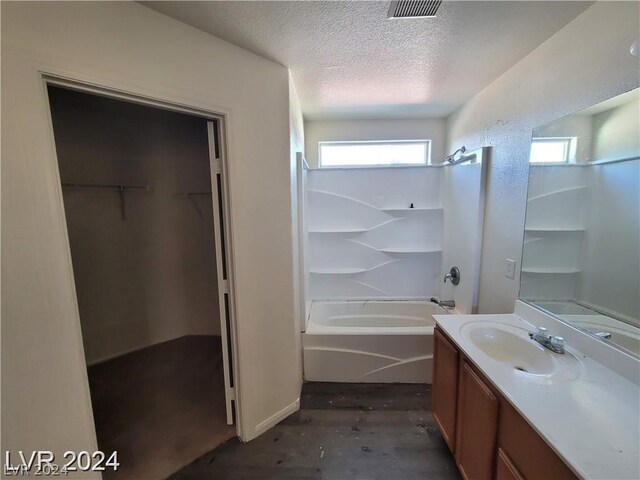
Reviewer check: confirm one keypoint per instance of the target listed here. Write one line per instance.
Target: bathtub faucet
(444, 303)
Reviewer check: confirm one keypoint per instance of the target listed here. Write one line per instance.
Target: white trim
(221, 266)
(277, 417)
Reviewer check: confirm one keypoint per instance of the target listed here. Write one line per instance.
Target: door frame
(221, 117)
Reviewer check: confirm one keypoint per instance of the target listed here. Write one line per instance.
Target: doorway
(144, 204)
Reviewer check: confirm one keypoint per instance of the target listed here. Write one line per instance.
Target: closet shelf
(551, 270)
(119, 188)
(192, 197)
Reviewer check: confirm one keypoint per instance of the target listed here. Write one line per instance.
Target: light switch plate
(510, 269)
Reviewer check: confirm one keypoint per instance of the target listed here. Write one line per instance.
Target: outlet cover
(510, 269)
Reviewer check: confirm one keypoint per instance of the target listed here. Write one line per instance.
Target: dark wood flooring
(342, 432)
(160, 407)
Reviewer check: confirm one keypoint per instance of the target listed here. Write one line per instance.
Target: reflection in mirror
(581, 253)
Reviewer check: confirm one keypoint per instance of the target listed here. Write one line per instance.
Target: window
(553, 150)
(373, 154)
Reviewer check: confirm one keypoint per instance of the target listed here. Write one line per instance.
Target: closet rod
(121, 189)
(106, 186)
(192, 194)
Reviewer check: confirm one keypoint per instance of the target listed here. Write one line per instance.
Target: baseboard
(276, 418)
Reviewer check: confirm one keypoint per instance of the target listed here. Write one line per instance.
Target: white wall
(296, 146)
(464, 187)
(125, 46)
(584, 63)
(616, 132)
(405, 129)
(151, 277)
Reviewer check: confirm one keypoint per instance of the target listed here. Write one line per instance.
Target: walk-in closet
(137, 189)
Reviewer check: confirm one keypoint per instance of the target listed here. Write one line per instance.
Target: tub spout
(444, 303)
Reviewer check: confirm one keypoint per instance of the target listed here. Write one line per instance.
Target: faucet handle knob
(557, 342)
(543, 331)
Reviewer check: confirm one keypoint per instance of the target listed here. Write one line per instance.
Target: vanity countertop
(588, 414)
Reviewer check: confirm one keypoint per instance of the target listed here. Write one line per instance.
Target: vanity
(510, 409)
(552, 391)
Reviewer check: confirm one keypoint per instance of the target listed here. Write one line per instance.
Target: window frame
(426, 141)
(569, 150)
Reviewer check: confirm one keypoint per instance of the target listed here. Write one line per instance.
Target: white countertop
(589, 414)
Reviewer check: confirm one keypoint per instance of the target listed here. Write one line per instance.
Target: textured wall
(584, 63)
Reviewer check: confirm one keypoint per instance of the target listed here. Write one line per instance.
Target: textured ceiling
(348, 60)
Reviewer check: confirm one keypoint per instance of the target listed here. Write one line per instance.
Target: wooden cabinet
(505, 469)
(445, 387)
(476, 427)
(489, 438)
(529, 453)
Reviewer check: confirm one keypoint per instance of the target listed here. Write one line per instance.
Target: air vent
(414, 8)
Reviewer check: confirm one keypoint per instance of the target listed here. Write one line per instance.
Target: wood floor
(160, 407)
(342, 432)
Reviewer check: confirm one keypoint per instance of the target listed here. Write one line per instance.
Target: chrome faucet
(444, 303)
(604, 335)
(553, 343)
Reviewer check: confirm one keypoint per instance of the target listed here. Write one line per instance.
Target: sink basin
(504, 346)
(510, 345)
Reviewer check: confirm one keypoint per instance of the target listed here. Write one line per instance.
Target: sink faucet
(444, 303)
(553, 343)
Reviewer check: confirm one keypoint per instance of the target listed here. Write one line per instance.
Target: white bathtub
(370, 341)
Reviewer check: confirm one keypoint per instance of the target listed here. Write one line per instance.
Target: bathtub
(370, 341)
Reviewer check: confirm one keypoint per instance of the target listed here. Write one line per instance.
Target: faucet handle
(543, 331)
(557, 342)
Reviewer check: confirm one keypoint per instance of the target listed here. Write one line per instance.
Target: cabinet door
(505, 469)
(476, 427)
(526, 450)
(445, 387)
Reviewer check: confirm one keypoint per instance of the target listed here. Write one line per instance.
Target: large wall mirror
(581, 254)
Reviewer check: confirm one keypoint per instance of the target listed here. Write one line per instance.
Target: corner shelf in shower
(554, 230)
(346, 230)
(347, 271)
(409, 250)
(411, 210)
(351, 229)
(562, 191)
(544, 271)
(338, 271)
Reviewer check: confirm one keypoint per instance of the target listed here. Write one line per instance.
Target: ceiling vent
(414, 8)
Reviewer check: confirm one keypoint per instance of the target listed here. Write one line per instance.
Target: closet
(137, 190)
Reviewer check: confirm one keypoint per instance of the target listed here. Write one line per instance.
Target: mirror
(581, 253)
